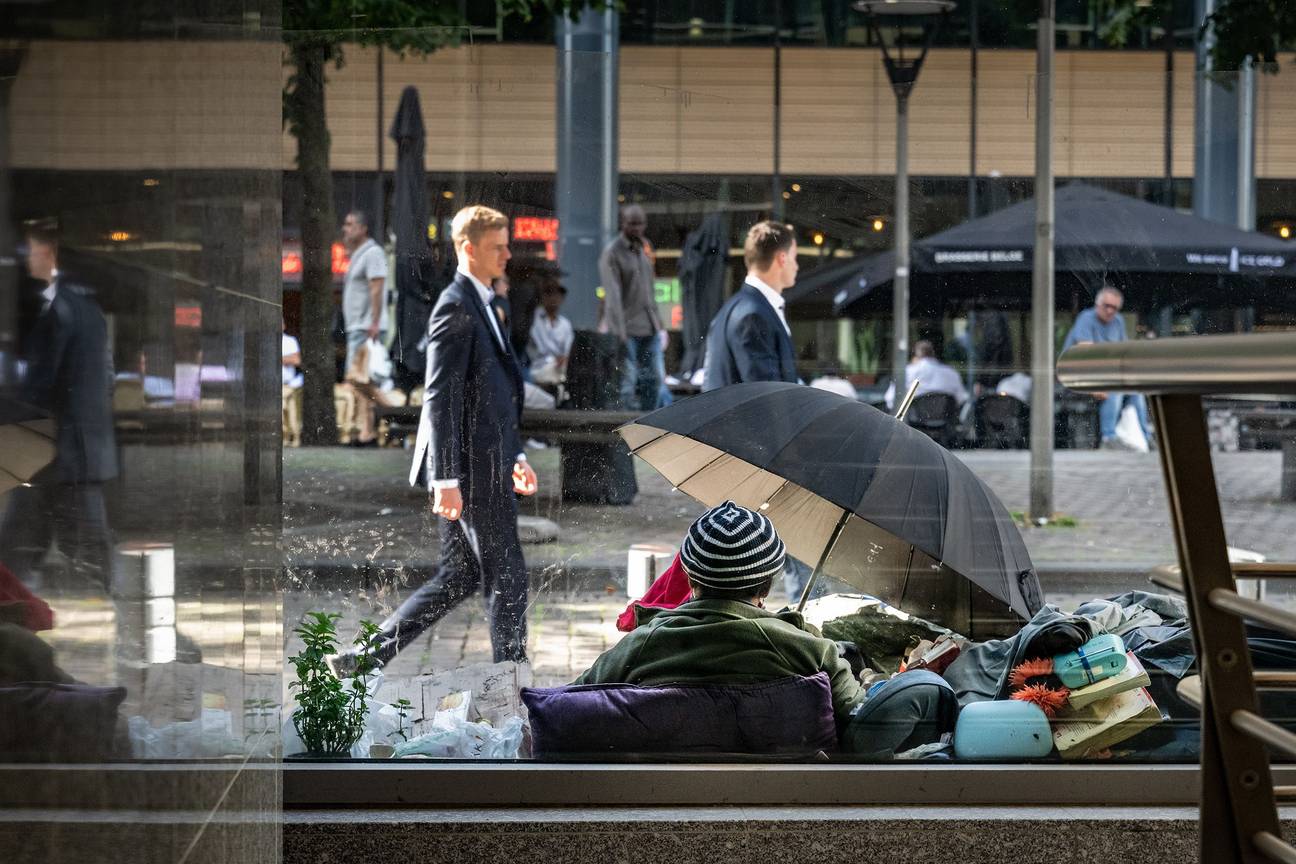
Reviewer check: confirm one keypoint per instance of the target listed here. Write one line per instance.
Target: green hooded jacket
(724, 642)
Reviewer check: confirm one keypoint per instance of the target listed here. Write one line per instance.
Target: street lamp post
(903, 72)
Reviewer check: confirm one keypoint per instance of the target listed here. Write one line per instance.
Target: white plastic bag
(380, 365)
(460, 739)
(1128, 430)
(211, 735)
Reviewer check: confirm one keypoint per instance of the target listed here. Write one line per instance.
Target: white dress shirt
(50, 290)
(550, 339)
(933, 376)
(485, 294)
(774, 297)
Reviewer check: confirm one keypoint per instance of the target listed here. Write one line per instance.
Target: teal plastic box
(1101, 657)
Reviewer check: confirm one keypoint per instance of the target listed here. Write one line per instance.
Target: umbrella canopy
(869, 500)
(26, 443)
(701, 276)
(1097, 232)
(414, 264)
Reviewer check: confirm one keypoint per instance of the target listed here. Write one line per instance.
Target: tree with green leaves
(1256, 29)
(317, 32)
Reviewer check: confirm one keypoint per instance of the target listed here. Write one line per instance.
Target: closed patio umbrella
(414, 262)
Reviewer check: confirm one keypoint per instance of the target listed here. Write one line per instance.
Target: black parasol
(871, 501)
(414, 262)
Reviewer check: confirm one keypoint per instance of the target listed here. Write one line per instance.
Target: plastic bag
(208, 736)
(380, 365)
(1129, 431)
(460, 739)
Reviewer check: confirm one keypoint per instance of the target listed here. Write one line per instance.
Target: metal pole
(776, 188)
(380, 205)
(1168, 24)
(900, 300)
(1246, 146)
(1041, 423)
(972, 135)
(585, 187)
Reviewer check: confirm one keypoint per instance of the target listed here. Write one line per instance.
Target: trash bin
(596, 473)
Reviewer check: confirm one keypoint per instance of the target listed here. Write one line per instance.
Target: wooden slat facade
(146, 105)
(489, 108)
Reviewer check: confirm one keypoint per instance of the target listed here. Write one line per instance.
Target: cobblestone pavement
(356, 539)
(348, 509)
(335, 505)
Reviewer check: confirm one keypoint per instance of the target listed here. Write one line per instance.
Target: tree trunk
(306, 115)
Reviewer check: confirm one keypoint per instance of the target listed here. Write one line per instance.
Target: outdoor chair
(936, 416)
(1002, 422)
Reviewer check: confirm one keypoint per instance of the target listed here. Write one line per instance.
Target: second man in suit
(749, 339)
(469, 453)
(69, 375)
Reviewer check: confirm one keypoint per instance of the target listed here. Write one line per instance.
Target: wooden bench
(1278, 426)
(554, 425)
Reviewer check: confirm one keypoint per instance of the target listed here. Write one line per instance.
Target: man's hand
(663, 339)
(373, 330)
(447, 503)
(524, 479)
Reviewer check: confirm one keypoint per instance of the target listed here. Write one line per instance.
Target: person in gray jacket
(629, 309)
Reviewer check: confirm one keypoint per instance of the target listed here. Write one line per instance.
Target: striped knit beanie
(731, 547)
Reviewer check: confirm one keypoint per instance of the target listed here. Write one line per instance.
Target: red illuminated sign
(188, 316)
(339, 261)
(537, 228)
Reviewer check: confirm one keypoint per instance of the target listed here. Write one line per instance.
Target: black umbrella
(1098, 232)
(414, 263)
(701, 276)
(852, 490)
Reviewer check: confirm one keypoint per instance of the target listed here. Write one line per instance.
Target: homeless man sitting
(724, 635)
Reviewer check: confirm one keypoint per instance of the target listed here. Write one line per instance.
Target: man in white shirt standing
(551, 335)
(469, 454)
(932, 375)
(750, 339)
(292, 395)
(364, 305)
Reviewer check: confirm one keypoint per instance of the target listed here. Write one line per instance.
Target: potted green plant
(866, 354)
(330, 713)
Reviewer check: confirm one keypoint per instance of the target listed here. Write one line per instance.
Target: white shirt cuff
(445, 484)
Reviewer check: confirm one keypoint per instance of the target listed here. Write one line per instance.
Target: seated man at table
(932, 376)
(724, 635)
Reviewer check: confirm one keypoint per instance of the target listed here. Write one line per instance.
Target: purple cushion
(789, 715)
(42, 722)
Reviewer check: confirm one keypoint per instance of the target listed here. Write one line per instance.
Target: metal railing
(1239, 816)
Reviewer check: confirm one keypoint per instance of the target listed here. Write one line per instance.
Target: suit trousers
(75, 515)
(480, 550)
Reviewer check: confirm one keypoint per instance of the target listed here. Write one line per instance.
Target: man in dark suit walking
(69, 374)
(469, 453)
(749, 338)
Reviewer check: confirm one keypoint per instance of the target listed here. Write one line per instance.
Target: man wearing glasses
(1103, 323)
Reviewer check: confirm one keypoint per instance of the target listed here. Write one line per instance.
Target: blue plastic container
(1101, 657)
(1002, 730)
